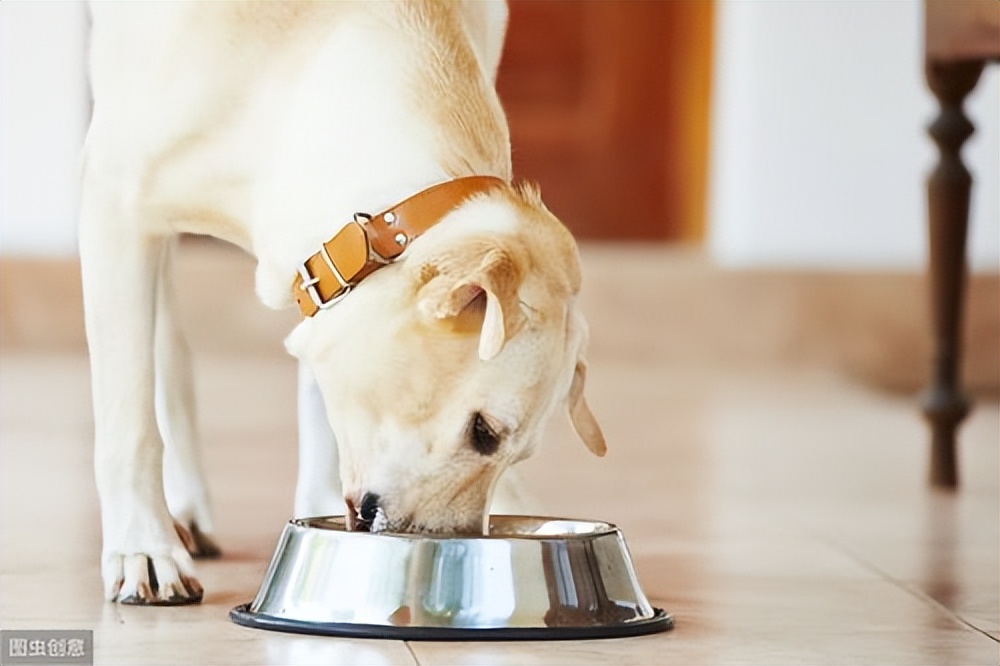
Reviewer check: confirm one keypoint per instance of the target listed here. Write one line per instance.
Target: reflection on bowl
(530, 578)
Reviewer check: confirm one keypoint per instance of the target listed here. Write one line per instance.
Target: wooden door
(608, 108)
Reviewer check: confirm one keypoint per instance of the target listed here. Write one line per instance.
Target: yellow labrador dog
(359, 152)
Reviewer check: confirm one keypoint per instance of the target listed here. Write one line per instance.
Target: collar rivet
(360, 247)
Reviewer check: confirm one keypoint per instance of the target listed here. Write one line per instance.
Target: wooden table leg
(948, 190)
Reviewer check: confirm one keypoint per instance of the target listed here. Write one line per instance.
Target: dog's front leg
(183, 473)
(318, 491)
(143, 561)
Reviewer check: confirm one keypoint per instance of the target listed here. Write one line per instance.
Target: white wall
(43, 116)
(820, 152)
(819, 149)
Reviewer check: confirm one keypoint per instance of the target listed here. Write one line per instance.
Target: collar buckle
(370, 242)
(309, 285)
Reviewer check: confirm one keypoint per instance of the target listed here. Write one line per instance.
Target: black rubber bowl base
(661, 621)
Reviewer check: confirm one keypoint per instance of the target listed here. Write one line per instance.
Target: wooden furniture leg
(948, 190)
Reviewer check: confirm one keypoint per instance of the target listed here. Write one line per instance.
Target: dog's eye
(484, 438)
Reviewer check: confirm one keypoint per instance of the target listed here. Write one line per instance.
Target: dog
(359, 152)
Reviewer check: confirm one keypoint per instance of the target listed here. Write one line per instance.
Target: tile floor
(779, 513)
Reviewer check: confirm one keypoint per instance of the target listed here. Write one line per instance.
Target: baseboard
(668, 305)
(41, 303)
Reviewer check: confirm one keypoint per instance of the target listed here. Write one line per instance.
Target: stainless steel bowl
(530, 578)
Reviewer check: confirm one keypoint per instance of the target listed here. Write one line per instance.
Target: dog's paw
(192, 516)
(151, 580)
(199, 545)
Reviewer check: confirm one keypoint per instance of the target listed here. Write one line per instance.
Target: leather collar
(370, 242)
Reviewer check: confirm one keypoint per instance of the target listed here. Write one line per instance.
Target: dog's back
(198, 102)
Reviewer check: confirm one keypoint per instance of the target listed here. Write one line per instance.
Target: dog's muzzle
(361, 518)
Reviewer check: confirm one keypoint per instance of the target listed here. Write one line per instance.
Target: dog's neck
(374, 242)
(363, 129)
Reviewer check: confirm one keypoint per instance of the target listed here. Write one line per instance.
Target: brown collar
(371, 242)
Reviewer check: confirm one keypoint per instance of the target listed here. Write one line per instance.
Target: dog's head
(440, 372)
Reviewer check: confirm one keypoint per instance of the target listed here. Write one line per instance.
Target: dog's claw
(136, 600)
(206, 547)
(199, 545)
(154, 581)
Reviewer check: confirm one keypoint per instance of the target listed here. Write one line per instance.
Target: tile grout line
(409, 648)
(900, 584)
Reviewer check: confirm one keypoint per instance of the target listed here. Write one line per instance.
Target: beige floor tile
(781, 516)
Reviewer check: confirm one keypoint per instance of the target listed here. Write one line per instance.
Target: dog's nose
(361, 514)
(369, 507)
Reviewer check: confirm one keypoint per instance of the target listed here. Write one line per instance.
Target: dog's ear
(580, 415)
(464, 276)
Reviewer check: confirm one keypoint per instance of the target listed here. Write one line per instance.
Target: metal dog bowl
(530, 579)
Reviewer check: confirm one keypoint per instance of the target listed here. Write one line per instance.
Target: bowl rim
(658, 622)
(338, 524)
